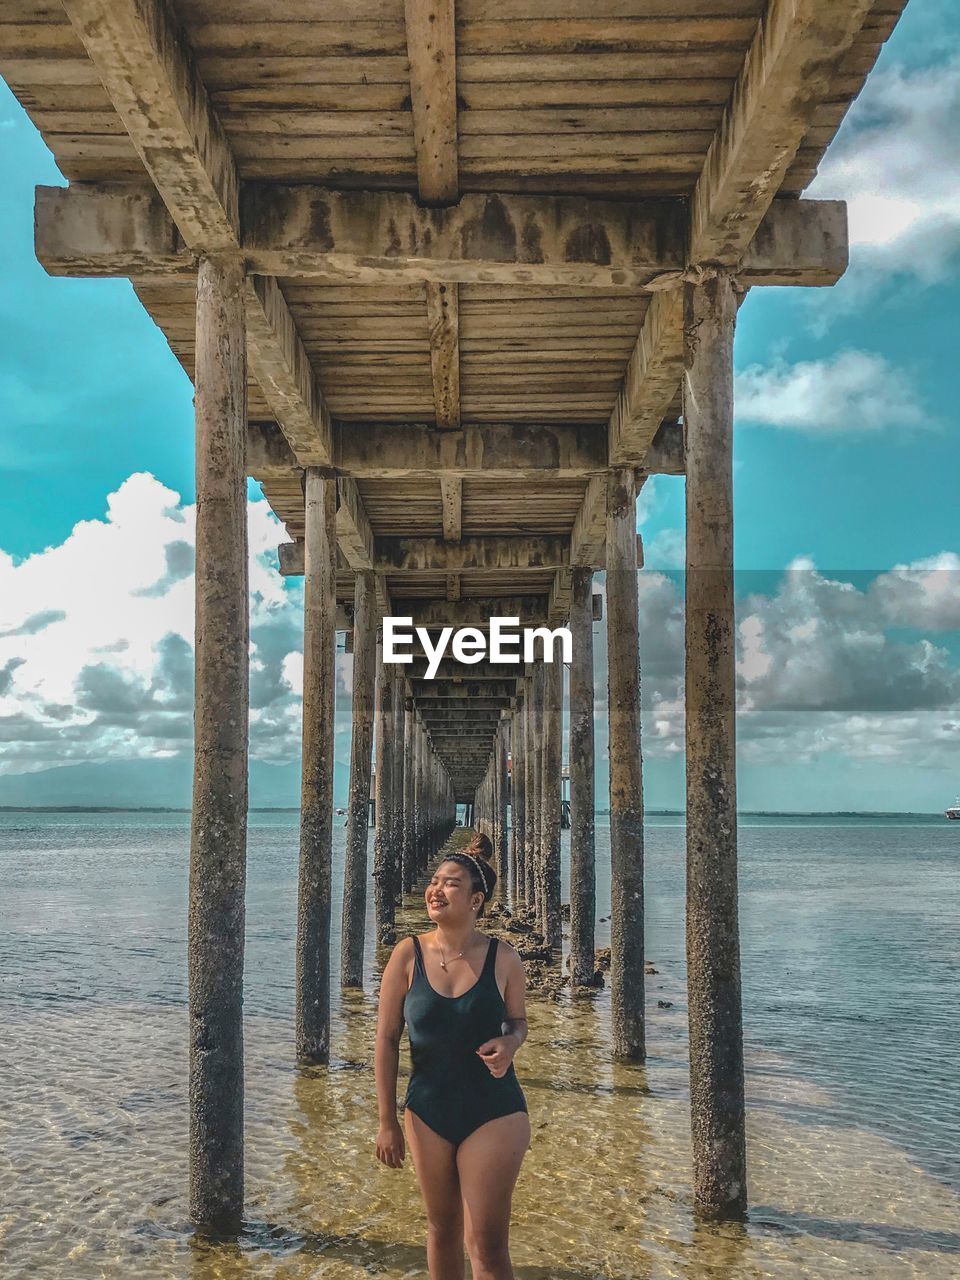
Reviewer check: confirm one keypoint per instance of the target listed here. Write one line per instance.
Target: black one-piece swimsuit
(451, 1088)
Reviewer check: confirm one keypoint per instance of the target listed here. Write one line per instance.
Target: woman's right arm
(386, 1056)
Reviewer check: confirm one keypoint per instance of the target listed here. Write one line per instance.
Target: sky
(846, 510)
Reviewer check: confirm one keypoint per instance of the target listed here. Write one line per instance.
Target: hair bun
(480, 847)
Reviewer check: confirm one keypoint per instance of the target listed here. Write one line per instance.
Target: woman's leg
(489, 1164)
(434, 1160)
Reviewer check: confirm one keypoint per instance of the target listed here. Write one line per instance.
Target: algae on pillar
(409, 779)
(355, 857)
(626, 776)
(518, 825)
(218, 838)
(713, 939)
(535, 860)
(530, 796)
(550, 911)
(583, 873)
(399, 767)
(316, 792)
(385, 846)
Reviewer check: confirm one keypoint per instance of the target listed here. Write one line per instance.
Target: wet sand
(93, 1172)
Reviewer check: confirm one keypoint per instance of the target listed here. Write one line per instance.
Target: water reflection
(93, 1131)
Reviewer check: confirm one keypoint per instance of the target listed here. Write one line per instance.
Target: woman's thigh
(435, 1163)
(488, 1162)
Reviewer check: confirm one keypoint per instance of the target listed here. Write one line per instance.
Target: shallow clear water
(851, 944)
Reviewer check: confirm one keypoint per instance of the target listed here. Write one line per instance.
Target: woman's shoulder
(508, 951)
(404, 950)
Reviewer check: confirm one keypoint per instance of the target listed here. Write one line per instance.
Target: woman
(462, 997)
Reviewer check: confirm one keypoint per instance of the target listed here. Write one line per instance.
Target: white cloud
(96, 636)
(924, 594)
(823, 668)
(850, 392)
(667, 549)
(897, 164)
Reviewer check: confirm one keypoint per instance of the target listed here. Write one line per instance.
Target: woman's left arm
(499, 1052)
(515, 1023)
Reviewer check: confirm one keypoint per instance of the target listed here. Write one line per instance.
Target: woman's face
(450, 894)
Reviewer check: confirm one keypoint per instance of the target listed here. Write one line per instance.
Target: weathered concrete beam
(497, 450)
(650, 382)
(428, 705)
(473, 612)
(468, 688)
(463, 739)
(355, 538)
(812, 234)
(387, 237)
(558, 601)
(451, 503)
(434, 555)
(666, 455)
(441, 712)
(286, 377)
(354, 533)
(454, 673)
(375, 237)
(269, 455)
(589, 536)
(788, 72)
(381, 237)
(143, 61)
(432, 53)
(429, 555)
(291, 556)
(443, 321)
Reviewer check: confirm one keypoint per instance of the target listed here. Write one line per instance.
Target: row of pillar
(713, 959)
(416, 802)
(491, 804)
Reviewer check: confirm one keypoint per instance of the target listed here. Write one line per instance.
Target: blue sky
(847, 532)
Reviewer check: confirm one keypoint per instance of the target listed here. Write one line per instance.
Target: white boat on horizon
(953, 811)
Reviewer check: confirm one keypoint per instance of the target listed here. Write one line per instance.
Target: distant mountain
(135, 784)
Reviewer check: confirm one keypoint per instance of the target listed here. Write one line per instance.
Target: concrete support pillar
(713, 942)
(409, 777)
(536, 794)
(518, 829)
(316, 793)
(355, 857)
(583, 873)
(218, 839)
(552, 797)
(384, 841)
(626, 778)
(417, 796)
(397, 837)
(529, 793)
(502, 791)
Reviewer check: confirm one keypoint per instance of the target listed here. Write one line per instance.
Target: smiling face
(450, 895)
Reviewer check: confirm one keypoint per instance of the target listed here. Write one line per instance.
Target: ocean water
(850, 932)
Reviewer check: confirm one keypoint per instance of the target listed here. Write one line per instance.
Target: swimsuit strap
(490, 964)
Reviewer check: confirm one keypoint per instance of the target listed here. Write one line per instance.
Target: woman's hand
(390, 1144)
(498, 1053)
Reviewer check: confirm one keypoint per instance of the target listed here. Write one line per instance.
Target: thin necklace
(443, 963)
